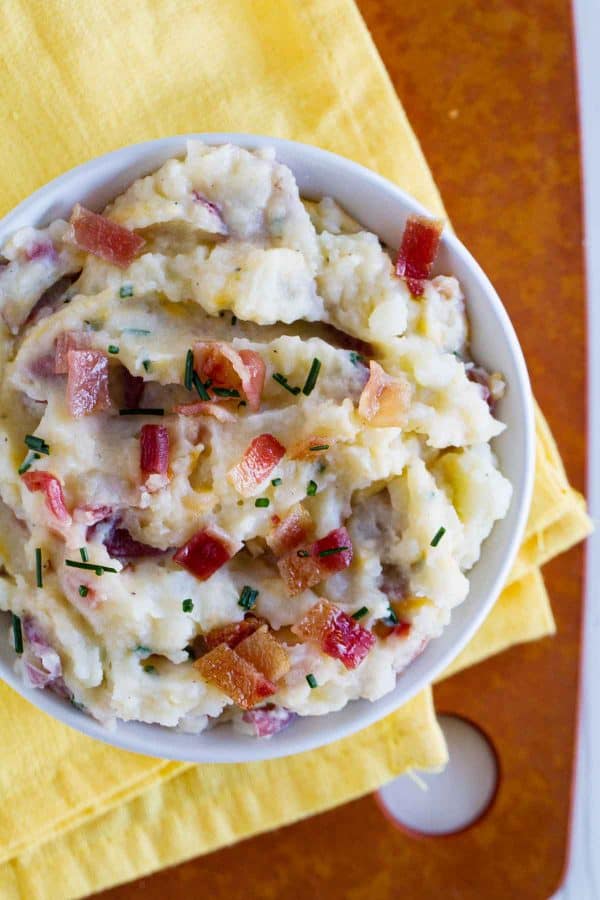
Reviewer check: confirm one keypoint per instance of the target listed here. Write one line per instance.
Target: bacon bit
(224, 367)
(418, 250)
(265, 654)
(68, 340)
(52, 488)
(304, 571)
(154, 450)
(233, 633)
(257, 463)
(384, 401)
(333, 562)
(205, 408)
(269, 720)
(294, 530)
(120, 545)
(102, 237)
(337, 633)
(205, 552)
(312, 447)
(299, 572)
(402, 629)
(236, 677)
(91, 515)
(87, 382)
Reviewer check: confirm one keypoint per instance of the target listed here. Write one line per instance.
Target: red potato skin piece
(260, 458)
(237, 678)
(52, 488)
(102, 237)
(418, 250)
(87, 382)
(154, 450)
(204, 553)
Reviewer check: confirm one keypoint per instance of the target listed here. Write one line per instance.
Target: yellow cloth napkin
(78, 78)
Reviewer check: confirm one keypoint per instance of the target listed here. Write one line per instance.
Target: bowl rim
(164, 743)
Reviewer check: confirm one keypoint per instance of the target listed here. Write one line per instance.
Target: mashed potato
(245, 466)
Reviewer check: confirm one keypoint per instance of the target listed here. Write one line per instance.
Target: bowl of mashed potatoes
(267, 447)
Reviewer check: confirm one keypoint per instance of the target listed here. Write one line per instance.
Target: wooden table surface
(489, 88)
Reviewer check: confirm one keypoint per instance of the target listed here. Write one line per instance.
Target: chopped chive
(311, 379)
(190, 651)
(242, 403)
(234, 320)
(151, 670)
(321, 467)
(141, 648)
(150, 411)
(391, 618)
(95, 326)
(112, 348)
(356, 358)
(17, 634)
(360, 613)
(225, 392)
(332, 550)
(248, 597)
(282, 380)
(84, 554)
(311, 488)
(36, 443)
(136, 331)
(92, 567)
(312, 681)
(83, 590)
(276, 482)
(201, 388)
(126, 290)
(38, 567)
(438, 536)
(302, 553)
(146, 364)
(27, 462)
(319, 447)
(187, 605)
(262, 502)
(189, 369)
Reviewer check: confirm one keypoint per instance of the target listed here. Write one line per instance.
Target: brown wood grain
(489, 88)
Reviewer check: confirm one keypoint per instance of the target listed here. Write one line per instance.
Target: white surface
(583, 874)
(382, 208)
(454, 798)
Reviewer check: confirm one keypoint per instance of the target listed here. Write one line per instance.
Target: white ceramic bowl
(382, 208)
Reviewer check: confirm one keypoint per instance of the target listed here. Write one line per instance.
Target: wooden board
(489, 88)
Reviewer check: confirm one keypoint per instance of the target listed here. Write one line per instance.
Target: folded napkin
(77, 80)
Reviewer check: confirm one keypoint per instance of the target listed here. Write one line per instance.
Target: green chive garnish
(262, 502)
(360, 613)
(276, 482)
(27, 462)
(38, 567)
(189, 369)
(36, 443)
(151, 670)
(126, 290)
(17, 634)
(187, 605)
(356, 358)
(311, 379)
(438, 536)
(190, 651)
(146, 364)
(311, 488)
(112, 348)
(282, 380)
(136, 331)
(302, 553)
(248, 597)
(319, 447)
(150, 411)
(83, 590)
(391, 618)
(332, 550)
(225, 392)
(234, 320)
(84, 554)
(312, 681)
(92, 567)
(142, 649)
(201, 388)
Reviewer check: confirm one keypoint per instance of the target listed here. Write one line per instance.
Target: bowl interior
(382, 208)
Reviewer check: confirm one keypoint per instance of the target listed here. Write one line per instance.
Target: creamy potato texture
(382, 445)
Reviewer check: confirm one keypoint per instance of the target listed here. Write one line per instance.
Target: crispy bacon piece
(265, 654)
(233, 633)
(312, 447)
(236, 677)
(87, 382)
(302, 569)
(104, 238)
(257, 463)
(68, 340)
(205, 552)
(205, 408)
(418, 250)
(154, 450)
(224, 367)
(269, 720)
(384, 401)
(292, 531)
(52, 489)
(338, 635)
